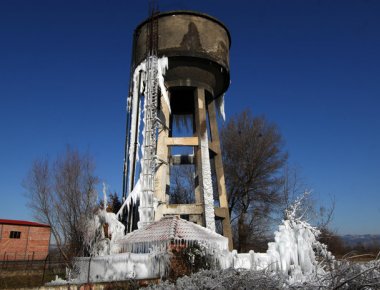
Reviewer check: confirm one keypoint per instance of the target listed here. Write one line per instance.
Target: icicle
(162, 67)
(220, 106)
(131, 199)
(105, 195)
(135, 114)
(141, 114)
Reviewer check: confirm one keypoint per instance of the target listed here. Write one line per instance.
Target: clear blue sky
(312, 67)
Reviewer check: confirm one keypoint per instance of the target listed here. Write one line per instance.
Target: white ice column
(203, 160)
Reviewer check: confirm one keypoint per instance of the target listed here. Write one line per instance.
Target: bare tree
(311, 210)
(182, 184)
(62, 194)
(329, 237)
(253, 156)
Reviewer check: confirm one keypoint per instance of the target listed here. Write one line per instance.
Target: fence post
(5, 253)
(43, 274)
(32, 262)
(26, 263)
(89, 268)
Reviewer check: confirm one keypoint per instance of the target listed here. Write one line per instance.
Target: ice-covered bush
(296, 250)
(103, 232)
(346, 275)
(197, 257)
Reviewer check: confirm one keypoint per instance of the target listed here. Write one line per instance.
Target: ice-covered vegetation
(295, 251)
(346, 275)
(294, 260)
(103, 231)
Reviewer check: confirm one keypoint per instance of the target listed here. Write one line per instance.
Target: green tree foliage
(114, 202)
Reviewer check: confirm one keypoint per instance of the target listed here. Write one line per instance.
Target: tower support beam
(204, 193)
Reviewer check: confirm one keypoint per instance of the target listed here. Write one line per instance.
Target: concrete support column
(162, 178)
(219, 171)
(162, 172)
(203, 160)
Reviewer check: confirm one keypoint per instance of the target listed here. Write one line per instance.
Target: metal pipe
(132, 178)
(128, 122)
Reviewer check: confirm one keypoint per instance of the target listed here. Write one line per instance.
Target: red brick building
(23, 240)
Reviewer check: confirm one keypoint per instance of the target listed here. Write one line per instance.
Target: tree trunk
(243, 232)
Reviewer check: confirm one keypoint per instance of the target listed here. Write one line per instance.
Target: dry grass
(25, 279)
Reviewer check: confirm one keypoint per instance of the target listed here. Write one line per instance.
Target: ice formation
(138, 113)
(145, 253)
(292, 252)
(220, 106)
(142, 191)
(207, 183)
(162, 67)
(98, 242)
(134, 108)
(131, 199)
(103, 232)
(172, 231)
(119, 267)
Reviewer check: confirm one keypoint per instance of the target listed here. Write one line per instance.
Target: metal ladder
(146, 210)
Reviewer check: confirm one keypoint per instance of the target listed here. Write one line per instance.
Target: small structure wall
(23, 240)
(119, 267)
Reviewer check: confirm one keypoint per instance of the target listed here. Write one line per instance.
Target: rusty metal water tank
(197, 46)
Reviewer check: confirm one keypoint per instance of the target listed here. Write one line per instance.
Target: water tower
(197, 48)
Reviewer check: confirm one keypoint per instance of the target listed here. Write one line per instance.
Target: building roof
(168, 230)
(22, 223)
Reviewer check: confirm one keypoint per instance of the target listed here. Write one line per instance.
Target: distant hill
(365, 240)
